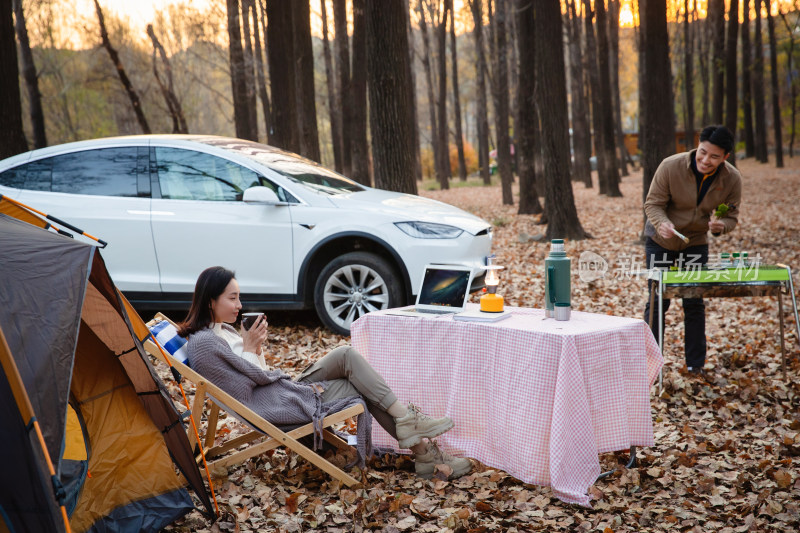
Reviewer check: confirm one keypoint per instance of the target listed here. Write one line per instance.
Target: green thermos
(556, 277)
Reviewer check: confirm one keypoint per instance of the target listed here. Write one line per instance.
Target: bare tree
(716, 28)
(526, 125)
(747, 84)
(307, 132)
(358, 84)
(595, 91)
(426, 66)
(133, 96)
(462, 164)
(789, 59)
(12, 137)
(334, 108)
(776, 104)
(167, 87)
(482, 118)
(413, 77)
(280, 57)
(613, 44)
(261, 78)
(732, 96)
(443, 170)
(611, 172)
(581, 138)
(31, 78)
(759, 103)
(702, 57)
(342, 48)
(559, 203)
(501, 104)
(248, 6)
(688, 76)
(389, 86)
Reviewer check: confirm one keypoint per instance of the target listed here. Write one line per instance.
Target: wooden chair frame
(273, 437)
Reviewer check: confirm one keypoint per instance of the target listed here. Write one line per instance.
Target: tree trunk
(426, 65)
(594, 88)
(12, 136)
(613, 40)
(658, 141)
(758, 89)
(280, 55)
(167, 88)
(412, 75)
(688, 77)
(358, 147)
(731, 80)
(241, 112)
(501, 104)
(581, 140)
(559, 203)
(526, 125)
(776, 104)
(31, 78)
(249, 66)
(703, 47)
(513, 79)
(133, 96)
(789, 60)
(334, 108)
(606, 107)
(389, 87)
(747, 84)
(307, 132)
(462, 164)
(260, 74)
(716, 17)
(482, 118)
(343, 86)
(443, 169)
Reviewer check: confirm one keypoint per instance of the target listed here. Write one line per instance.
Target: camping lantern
(491, 302)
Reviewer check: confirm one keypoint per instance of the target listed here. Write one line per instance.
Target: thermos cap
(557, 245)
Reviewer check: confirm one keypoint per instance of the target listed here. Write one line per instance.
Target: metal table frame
(765, 288)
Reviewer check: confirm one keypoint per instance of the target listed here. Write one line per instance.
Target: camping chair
(262, 429)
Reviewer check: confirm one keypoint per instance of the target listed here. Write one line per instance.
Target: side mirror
(260, 195)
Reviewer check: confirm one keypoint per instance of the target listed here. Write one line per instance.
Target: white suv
(296, 234)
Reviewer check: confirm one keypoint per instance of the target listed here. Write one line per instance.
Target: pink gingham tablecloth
(537, 398)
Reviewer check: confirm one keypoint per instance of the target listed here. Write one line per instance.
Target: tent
(78, 393)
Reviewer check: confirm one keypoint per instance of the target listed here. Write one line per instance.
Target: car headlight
(429, 230)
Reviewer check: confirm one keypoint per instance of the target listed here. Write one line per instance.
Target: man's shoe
(415, 426)
(696, 371)
(425, 463)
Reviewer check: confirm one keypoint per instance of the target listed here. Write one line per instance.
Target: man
(686, 190)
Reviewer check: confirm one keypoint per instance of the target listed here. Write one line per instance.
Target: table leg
(783, 343)
(631, 464)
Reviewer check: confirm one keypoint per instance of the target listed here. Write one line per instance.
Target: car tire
(352, 285)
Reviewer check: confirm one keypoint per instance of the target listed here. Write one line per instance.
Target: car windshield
(298, 170)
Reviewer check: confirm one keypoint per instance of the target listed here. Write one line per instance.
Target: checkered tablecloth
(529, 395)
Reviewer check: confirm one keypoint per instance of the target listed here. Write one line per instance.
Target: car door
(106, 193)
(199, 220)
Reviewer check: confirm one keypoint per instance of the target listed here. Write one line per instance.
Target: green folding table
(730, 282)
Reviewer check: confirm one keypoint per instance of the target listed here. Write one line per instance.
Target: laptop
(444, 289)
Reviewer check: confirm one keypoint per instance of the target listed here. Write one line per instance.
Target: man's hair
(718, 135)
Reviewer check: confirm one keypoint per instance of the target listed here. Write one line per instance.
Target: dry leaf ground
(727, 449)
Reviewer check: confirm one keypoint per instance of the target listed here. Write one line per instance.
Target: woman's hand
(254, 337)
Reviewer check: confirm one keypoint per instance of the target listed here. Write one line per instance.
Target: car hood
(407, 207)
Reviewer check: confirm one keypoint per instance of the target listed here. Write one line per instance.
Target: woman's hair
(210, 285)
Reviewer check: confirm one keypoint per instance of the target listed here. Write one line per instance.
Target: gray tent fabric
(48, 315)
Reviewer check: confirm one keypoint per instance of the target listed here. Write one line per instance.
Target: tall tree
(342, 47)
(776, 105)
(389, 86)
(242, 115)
(413, 77)
(732, 96)
(688, 76)
(443, 170)
(133, 96)
(594, 89)
(12, 137)
(482, 115)
(501, 103)
(657, 130)
(611, 173)
(526, 125)
(334, 108)
(794, 83)
(426, 67)
(261, 78)
(248, 6)
(704, 38)
(358, 147)
(280, 57)
(759, 104)
(716, 18)
(747, 83)
(31, 78)
(613, 44)
(559, 203)
(167, 86)
(581, 138)
(307, 132)
(462, 164)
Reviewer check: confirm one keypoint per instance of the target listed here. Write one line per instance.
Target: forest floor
(726, 448)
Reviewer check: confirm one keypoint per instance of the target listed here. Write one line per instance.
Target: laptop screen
(443, 287)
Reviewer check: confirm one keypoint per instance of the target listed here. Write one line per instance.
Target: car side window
(101, 172)
(190, 175)
(34, 176)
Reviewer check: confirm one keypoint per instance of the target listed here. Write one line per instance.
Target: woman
(340, 379)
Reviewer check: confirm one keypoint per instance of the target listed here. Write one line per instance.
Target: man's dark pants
(694, 311)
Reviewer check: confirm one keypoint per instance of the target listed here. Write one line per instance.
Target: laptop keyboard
(435, 311)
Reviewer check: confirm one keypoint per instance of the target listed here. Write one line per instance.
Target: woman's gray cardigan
(271, 393)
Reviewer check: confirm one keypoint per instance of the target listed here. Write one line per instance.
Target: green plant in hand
(722, 210)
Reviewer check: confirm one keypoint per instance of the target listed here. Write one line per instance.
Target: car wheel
(351, 286)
